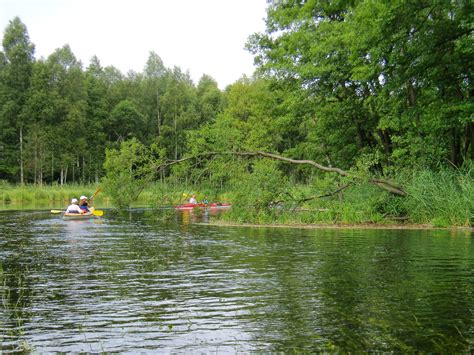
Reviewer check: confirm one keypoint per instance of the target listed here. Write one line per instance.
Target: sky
(199, 36)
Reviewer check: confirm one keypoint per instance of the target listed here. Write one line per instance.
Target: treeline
(382, 81)
(57, 119)
(374, 88)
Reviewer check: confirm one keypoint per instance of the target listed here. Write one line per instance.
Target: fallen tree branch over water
(380, 183)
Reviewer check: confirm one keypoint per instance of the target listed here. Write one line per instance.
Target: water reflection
(145, 280)
(198, 215)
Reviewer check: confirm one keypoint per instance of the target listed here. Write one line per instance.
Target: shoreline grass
(439, 199)
(31, 194)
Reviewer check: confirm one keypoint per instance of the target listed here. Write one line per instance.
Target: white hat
(83, 197)
(74, 200)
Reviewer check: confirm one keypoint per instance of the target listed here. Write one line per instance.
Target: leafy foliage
(129, 170)
(375, 76)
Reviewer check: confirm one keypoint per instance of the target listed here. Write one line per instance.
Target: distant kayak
(76, 216)
(214, 205)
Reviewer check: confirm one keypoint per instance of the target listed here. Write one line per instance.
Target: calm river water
(147, 281)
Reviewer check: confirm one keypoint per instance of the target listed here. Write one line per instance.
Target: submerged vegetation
(358, 113)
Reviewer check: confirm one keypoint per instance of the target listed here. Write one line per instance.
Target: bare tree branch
(381, 183)
(328, 194)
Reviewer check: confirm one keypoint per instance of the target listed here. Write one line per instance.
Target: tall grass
(442, 198)
(46, 195)
(439, 198)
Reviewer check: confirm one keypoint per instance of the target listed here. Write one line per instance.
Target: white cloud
(204, 36)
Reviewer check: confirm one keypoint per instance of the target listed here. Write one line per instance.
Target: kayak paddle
(95, 193)
(98, 213)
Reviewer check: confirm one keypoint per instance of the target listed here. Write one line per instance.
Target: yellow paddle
(98, 213)
(95, 212)
(56, 211)
(95, 193)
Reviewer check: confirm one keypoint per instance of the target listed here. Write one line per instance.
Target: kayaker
(193, 200)
(83, 204)
(74, 207)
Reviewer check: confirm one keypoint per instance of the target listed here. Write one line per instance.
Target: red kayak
(214, 205)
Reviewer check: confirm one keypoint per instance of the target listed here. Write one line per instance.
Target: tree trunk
(52, 167)
(386, 141)
(411, 95)
(41, 166)
(158, 112)
(469, 143)
(175, 133)
(90, 168)
(455, 148)
(22, 181)
(35, 165)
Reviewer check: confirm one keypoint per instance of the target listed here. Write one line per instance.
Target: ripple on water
(139, 285)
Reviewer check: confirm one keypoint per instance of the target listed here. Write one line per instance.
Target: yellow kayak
(76, 216)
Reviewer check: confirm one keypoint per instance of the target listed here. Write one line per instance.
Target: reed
(443, 198)
(17, 194)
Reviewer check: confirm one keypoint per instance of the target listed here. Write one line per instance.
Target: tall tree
(210, 100)
(68, 83)
(379, 79)
(97, 111)
(152, 90)
(16, 68)
(124, 122)
(179, 112)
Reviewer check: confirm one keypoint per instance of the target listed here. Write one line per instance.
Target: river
(154, 281)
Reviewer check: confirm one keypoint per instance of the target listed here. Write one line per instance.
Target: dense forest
(374, 88)
(57, 118)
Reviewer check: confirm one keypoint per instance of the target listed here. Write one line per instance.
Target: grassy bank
(439, 199)
(46, 195)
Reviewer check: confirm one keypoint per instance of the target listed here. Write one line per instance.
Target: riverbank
(408, 226)
(362, 206)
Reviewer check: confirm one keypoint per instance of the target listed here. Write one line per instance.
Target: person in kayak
(83, 204)
(193, 200)
(74, 207)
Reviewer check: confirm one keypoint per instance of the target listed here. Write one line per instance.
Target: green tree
(152, 90)
(15, 73)
(210, 100)
(39, 108)
(129, 170)
(70, 125)
(247, 123)
(125, 122)
(370, 79)
(97, 111)
(179, 112)
(416, 58)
